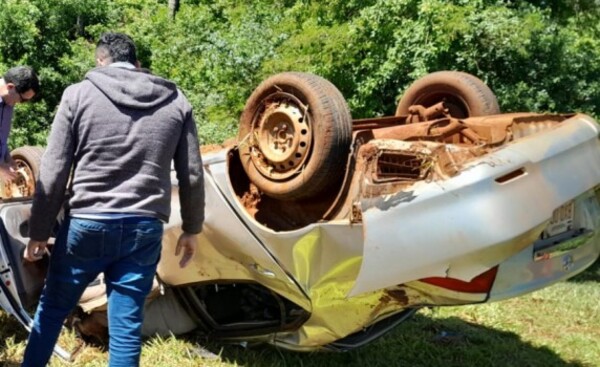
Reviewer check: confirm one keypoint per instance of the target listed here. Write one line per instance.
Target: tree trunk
(173, 8)
(79, 26)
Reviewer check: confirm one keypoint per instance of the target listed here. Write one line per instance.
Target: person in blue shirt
(18, 85)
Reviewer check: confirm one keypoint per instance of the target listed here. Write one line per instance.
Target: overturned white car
(324, 232)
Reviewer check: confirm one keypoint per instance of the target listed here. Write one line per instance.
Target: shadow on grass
(420, 341)
(591, 274)
(10, 328)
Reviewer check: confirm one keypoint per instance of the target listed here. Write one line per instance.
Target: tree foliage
(536, 55)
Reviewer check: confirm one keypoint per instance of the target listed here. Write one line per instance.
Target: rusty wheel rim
(282, 137)
(24, 184)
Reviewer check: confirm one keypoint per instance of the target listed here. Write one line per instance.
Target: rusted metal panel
(483, 220)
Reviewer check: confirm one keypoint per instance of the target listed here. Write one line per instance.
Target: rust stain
(385, 299)
(398, 295)
(251, 199)
(390, 297)
(367, 153)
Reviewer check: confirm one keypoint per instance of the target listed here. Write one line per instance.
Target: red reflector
(480, 284)
(7, 283)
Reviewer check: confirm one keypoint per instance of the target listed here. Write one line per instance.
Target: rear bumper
(553, 259)
(495, 208)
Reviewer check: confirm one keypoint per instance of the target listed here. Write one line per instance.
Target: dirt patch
(251, 199)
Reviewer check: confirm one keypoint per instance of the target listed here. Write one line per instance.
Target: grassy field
(556, 326)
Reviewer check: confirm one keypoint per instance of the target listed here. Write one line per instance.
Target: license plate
(562, 220)
(563, 234)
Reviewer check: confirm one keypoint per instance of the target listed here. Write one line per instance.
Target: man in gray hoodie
(116, 133)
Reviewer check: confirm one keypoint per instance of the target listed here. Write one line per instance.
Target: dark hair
(116, 47)
(24, 78)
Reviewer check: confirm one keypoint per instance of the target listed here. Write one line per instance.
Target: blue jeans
(127, 251)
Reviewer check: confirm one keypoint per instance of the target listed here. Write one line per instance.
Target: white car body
(467, 224)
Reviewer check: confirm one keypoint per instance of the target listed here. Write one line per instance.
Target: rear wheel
(464, 94)
(295, 134)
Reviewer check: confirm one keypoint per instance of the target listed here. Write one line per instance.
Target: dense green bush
(536, 55)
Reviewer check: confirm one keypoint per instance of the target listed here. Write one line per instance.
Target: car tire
(28, 160)
(294, 136)
(464, 94)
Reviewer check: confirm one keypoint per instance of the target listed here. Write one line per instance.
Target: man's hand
(187, 243)
(35, 250)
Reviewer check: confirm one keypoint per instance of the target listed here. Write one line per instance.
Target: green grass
(556, 326)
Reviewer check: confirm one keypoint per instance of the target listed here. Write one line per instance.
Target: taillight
(480, 284)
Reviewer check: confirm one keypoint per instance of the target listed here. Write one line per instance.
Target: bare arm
(187, 243)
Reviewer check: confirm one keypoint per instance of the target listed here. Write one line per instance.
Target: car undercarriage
(324, 232)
